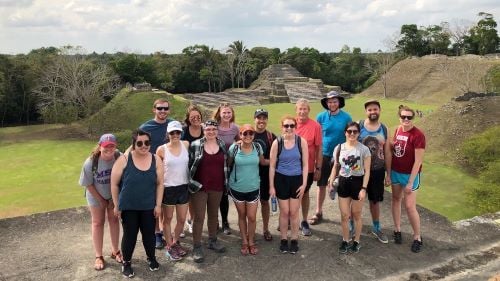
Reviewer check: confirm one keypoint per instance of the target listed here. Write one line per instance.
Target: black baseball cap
(260, 111)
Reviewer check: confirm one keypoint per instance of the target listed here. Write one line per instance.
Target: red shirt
(210, 172)
(311, 132)
(403, 151)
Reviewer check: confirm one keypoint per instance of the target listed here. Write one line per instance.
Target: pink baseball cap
(107, 139)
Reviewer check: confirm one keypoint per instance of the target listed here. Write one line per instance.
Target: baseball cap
(260, 111)
(107, 139)
(368, 102)
(331, 95)
(174, 126)
(246, 127)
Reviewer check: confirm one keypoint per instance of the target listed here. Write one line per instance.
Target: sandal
(244, 249)
(267, 236)
(117, 256)
(99, 263)
(253, 249)
(316, 219)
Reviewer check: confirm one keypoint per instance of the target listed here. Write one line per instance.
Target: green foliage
(483, 38)
(493, 80)
(482, 149)
(485, 197)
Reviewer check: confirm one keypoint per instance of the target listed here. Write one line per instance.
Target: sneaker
(416, 246)
(284, 246)
(380, 236)
(153, 264)
(172, 254)
(226, 229)
(159, 241)
(397, 237)
(179, 249)
(214, 245)
(127, 270)
(344, 246)
(182, 234)
(198, 255)
(306, 230)
(294, 247)
(189, 226)
(355, 247)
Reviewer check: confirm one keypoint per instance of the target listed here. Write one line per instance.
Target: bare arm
(305, 168)
(388, 159)
(116, 177)
(272, 167)
(419, 158)
(318, 162)
(366, 165)
(92, 190)
(159, 186)
(160, 151)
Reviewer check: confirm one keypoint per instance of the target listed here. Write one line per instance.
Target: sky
(168, 26)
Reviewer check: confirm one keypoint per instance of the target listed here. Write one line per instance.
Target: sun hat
(331, 95)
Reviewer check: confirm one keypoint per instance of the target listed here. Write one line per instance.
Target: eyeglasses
(160, 108)
(247, 133)
(174, 133)
(352, 132)
(407, 117)
(286, 126)
(145, 143)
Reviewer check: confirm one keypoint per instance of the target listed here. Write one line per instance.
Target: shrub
(482, 149)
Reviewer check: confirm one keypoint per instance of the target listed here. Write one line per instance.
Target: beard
(373, 117)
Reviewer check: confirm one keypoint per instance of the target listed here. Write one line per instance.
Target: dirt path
(57, 246)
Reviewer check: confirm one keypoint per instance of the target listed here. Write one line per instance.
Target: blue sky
(146, 26)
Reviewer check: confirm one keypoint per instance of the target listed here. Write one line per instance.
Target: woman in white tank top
(175, 196)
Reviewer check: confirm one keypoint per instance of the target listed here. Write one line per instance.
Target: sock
(376, 225)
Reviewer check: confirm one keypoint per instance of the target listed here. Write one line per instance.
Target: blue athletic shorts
(402, 179)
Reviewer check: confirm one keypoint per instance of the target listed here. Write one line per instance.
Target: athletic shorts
(248, 197)
(402, 179)
(350, 187)
(375, 186)
(264, 183)
(326, 169)
(287, 186)
(175, 195)
(310, 178)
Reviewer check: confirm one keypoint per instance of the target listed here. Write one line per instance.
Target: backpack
(281, 144)
(384, 128)
(236, 149)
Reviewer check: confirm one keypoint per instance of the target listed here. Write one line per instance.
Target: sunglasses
(352, 132)
(175, 133)
(145, 143)
(407, 117)
(286, 126)
(247, 133)
(195, 118)
(224, 104)
(164, 108)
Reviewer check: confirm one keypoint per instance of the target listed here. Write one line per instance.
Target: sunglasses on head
(224, 104)
(247, 133)
(352, 132)
(407, 117)
(145, 143)
(175, 133)
(164, 108)
(291, 126)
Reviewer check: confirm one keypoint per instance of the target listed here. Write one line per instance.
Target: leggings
(132, 222)
(224, 207)
(205, 202)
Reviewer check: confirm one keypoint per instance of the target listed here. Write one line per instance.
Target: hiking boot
(355, 247)
(214, 245)
(416, 246)
(153, 264)
(172, 254)
(159, 241)
(306, 230)
(380, 236)
(344, 247)
(226, 229)
(294, 247)
(397, 237)
(179, 249)
(198, 255)
(127, 270)
(284, 246)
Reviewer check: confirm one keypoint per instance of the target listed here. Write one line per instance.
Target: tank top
(138, 191)
(175, 167)
(289, 161)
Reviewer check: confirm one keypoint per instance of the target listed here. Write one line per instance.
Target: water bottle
(335, 185)
(274, 205)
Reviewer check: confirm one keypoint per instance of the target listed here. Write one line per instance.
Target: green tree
(438, 38)
(483, 38)
(412, 41)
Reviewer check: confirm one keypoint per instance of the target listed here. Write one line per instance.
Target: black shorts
(350, 186)
(326, 169)
(264, 183)
(310, 178)
(375, 186)
(248, 197)
(287, 186)
(175, 195)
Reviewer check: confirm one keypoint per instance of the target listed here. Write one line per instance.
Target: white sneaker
(189, 224)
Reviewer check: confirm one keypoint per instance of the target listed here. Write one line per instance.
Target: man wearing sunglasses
(157, 128)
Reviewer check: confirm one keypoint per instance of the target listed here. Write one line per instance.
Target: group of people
(193, 169)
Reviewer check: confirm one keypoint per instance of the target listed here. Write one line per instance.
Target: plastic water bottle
(335, 185)
(274, 205)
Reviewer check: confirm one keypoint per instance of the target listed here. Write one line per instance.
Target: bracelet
(363, 187)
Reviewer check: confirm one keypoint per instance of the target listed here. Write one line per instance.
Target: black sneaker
(294, 247)
(344, 247)
(416, 246)
(355, 247)
(127, 270)
(397, 237)
(284, 246)
(153, 264)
